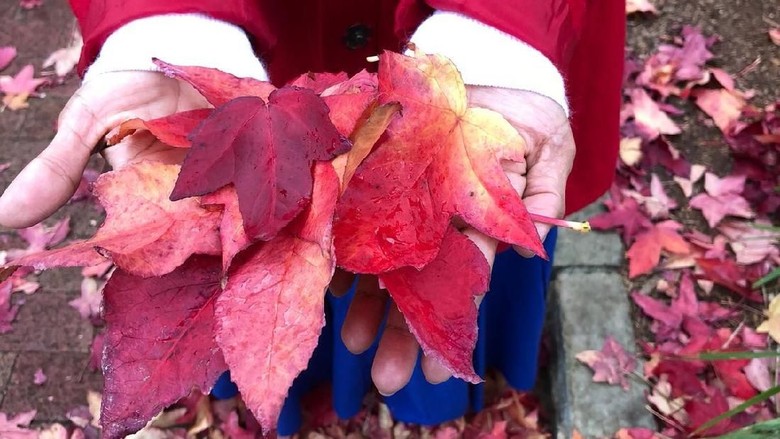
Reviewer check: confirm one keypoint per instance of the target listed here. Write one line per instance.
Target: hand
(541, 181)
(50, 179)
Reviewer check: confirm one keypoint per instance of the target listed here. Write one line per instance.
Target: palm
(49, 180)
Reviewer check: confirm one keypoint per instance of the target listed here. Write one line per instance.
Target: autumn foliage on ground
(223, 261)
(697, 244)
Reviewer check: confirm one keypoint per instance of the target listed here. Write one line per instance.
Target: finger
(545, 188)
(434, 372)
(50, 179)
(341, 282)
(396, 355)
(364, 316)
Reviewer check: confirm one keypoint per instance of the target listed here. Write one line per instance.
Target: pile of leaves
(702, 252)
(223, 261)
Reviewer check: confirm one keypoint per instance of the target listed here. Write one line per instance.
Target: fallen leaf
(725, 107)
(19, 87)
(771, 325)
(750, 243)
(18, 426)
(649, 117)
(88, 303)
(726, 273)
(723, 198)
(645, 252)
(159, 342)
(631, 150)
(774, 35)
(267, 151)
(445, 329)
(8, 309)
(7, 54)
(39, 377)
(271, 313)
(611, 364)
(30, 4)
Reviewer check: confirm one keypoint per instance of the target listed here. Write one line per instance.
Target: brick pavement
(47, 333)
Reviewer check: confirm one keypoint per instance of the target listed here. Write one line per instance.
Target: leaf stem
(583, 227)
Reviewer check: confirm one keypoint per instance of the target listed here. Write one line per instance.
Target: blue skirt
(510, 328)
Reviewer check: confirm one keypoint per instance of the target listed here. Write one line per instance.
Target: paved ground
(49, 334)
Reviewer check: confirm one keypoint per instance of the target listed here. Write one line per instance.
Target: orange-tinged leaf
(722, 105)
(365, 137)
(144, 233)
(271, 312)
(645, 253)
(171, 130)
(468, 180)
(397, 206)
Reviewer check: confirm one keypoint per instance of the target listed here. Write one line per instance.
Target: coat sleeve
(99, 18)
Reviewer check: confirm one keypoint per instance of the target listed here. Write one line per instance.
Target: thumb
(50, 179)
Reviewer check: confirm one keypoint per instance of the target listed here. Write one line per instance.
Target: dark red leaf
(159, 342)
(266, 151)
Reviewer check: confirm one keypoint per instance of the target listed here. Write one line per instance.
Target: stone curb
(588, 302)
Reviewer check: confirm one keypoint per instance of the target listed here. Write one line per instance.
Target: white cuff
(182, 39)
(486, 56)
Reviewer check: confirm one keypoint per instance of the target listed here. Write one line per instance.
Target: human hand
(540, 180)
(397, 352)
(49, 180)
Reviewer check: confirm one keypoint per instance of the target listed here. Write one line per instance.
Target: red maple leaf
(349, 100)
(611, 364)
(272, 310)
(441, 159)
(625, 213)
(159, 342)
(216, 86)
(171, 130)
(444, 324)
(266, 151)
(319, 82)
(722, 198)
(649, 118)
(144, 233)
(645, 253)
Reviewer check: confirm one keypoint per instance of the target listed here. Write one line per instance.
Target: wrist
(488, 57)
(182, 39)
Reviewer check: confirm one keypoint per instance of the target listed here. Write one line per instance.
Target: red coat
(584, 38)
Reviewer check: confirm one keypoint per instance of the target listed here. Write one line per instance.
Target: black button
(357, 36)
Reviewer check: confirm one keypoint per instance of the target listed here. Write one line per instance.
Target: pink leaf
(7, 54)
(611, 364)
